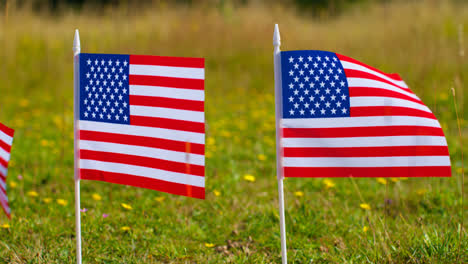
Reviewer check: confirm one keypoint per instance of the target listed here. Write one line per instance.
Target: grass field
(407, 220)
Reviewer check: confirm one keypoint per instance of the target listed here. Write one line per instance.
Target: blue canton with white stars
(104, 88)
(314, 85)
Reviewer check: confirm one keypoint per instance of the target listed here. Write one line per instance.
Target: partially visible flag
(6, 139)
(142, 123)
(342, 118)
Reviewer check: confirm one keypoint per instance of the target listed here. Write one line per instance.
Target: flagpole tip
(76, 43)
(276, 36)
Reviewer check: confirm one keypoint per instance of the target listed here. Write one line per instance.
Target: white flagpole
(279, 153)
(76, 101)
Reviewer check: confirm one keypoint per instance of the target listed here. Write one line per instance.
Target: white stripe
(153, 132)
(162, 112)
(155, 153)
(355, 142)
(3, 197)
(3, 171)
(353, 66)
(403, 161)
(363, 82)
(365, 121)
(386, 101)
(168, 71)
(4, 155)
(6, 138)
(168, 176)
(3, 185)
(176, 93)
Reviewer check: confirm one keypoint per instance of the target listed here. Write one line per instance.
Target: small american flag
(342, 118)
(6, 139)
(142, 123)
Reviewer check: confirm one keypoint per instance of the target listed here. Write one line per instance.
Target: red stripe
(380, 131)
(5, 146)
(167, 103)
(168, 61)
(2, 178)
(142, 141)
(430, 171)
(367, 151)
(389, 111)
(366, 91)
(394, 76)
(359, 74)
(143, 162)
(194, 84)
(7, 130)
(167, 123)
(5, 204)
(142, 182)
(4, 162)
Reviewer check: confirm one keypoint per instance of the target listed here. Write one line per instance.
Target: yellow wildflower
(126, 206)
(261, 157)
(365, 206)
(33, 193)
(5, 226)
(44, 143)
(12, 184)
(249, 178)
(459, 170)
(394, 179)
(210, 141)
(47, 200)
(403, 178)
(382, 181)
(24, 102)
(96, 197)
(125, 228)
(208, 155)
(299, 194)
(364, 229)
(209, 245)
(160, 199)
(421, 191)
(329, 183)
(216, 193)
(62, 202)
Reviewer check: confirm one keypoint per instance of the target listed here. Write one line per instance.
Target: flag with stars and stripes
(142, 122)
(6, 140)
(342, 118)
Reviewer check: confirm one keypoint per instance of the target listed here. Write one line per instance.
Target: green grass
(410, 221)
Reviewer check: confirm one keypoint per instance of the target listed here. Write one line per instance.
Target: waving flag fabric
(342, 118)
(141, 122)
(6, 139)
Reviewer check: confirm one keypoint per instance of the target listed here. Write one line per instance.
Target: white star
(291, 86)
(330, 70)
(104, 109)
(336, 77)
(332, 84)
(296, 79)
(113, 69)
(316, 91)
(86, 114)
(108, 116)
(324, 64)
(327, 104)
(317, 105)
(311, 85)
(99, 68)
(296, 92)
(306, 92)
(105, 69)
(311, 72)
(101, 116)
(301, 85)
(333, 98)
(311, 98)
(338, 104)
(306, 65)
(87, 88)
(87, 75)
(102, 62)
(116, 76)
(339, 70)
(333, 111)
(306, 79)
(125, 104)
(321, 71)
(100, 102)
(92, 68)
(291, 59)
(291, 112)
(124, 90)
(322, 84)
(342, 83)
(334, 58)
(306, 105)
(309, 58)
(312, 112)
(121, 111)
(112, 97)
(125, 118)
(296, 66)
(112, 110)
(327, 91)
(318, 58)
(301, 99)
(322, 98)
(116, 104)
(300, 59)
(112, 83)
(291, 99)
(301, 111)
(116, 117)
(85, 101)
(343, 97)
(120, 83)
(120, 97)
(124, 77)
(317, 78)
(291, 73)
(322, 111)
(96, 62)
(120, 70)
(333, 64)
(110, 62)
(89, 62)
(344, 110)
(327, 58)
(125, 63)
(338, 90)
(117, 62)
(301, 72)
(116, 90)
(315, 65)
(327, 77)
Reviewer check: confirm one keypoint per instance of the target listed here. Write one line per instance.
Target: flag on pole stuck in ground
(141, 122)
(342, 118)
(6, 139)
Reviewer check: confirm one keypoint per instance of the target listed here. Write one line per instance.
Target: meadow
(392, 220)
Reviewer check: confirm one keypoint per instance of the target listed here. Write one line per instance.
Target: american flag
(6, 139)
(342, 118)
(142, 122)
